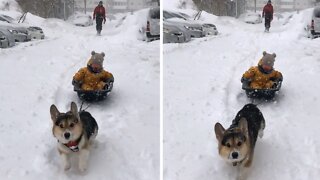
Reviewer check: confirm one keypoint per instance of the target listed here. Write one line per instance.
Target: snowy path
(36, 74)
(202, 86)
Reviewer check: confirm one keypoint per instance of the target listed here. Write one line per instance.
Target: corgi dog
(75, 132)
(236, 144)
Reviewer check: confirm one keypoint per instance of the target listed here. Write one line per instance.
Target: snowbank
(9, 5)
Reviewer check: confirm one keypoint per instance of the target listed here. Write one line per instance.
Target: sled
(261, 93)
(92, 96)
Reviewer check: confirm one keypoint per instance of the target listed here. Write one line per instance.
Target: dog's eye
(228, 145)
(71, 125)
(239, 144)
(61, 125)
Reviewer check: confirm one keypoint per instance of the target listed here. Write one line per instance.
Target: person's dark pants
(267, 22)
(99, 24)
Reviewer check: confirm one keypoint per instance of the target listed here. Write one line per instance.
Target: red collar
(73, 145)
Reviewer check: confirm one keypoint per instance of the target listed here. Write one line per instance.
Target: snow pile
(178, 4)
(202, 86)
(9, 5)
(38, 73)
(33, 20)
(130, 23)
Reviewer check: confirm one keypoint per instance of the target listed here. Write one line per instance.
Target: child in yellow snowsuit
(93, 77)
(263, 76)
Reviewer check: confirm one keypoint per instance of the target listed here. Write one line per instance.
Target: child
(263, 76)
(93, 77)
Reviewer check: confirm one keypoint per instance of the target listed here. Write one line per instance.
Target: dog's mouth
(235, 163)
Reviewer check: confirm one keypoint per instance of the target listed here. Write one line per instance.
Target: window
(317, 13)
(155, 13)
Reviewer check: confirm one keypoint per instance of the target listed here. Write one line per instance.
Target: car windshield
(9, 18)
(6, 18)
(168, 15)
(155, 13)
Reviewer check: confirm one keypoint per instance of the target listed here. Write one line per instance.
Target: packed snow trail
(202, 86)
(36, 74)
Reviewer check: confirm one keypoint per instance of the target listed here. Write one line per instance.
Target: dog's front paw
(83, 159)
(83, 167)
(67, 166)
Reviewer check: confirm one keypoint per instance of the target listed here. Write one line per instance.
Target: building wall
(114, 6)
(282, 5)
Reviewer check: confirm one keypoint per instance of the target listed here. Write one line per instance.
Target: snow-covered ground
(36, 74)
(202, 86)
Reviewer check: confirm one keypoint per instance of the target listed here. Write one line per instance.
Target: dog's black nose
(67, 135)
(234, 155)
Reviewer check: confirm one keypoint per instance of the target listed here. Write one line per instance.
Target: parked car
(207, 28)
(314, 27)
(194, 29)
(152, 29)
(6, 38)
(20, 33)
(80, 19)
(33, 31)
(210, 29)
(173, 34)
(36, 32)
(252, 18)
(4, 42)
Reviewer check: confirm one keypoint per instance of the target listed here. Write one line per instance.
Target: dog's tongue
(72, 143)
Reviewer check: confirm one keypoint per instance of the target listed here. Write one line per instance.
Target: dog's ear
(243, 124)
(54, 112)
(219, 130)
(74, 110)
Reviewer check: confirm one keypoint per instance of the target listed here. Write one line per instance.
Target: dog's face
(233, 144)
(66, 126)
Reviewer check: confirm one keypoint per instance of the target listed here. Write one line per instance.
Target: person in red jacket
(99, 15)
(267, 13)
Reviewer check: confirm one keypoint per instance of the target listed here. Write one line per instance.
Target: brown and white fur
(236, 144)
(75, 132)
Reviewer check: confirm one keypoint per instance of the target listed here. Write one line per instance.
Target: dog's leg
(260, 133)
(262, 126)
(83, 159)
(65, 161)
(242, 173)
(248, 161)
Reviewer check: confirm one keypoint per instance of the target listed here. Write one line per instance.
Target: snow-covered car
(6, 38)
(252, 18)
(151, 31)
(195, 29)
(36, 32)
(20, 33)
(80, 19)
(4, 42)
(210, 29)
(174, 34)
(314, 27)
(33, 31)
